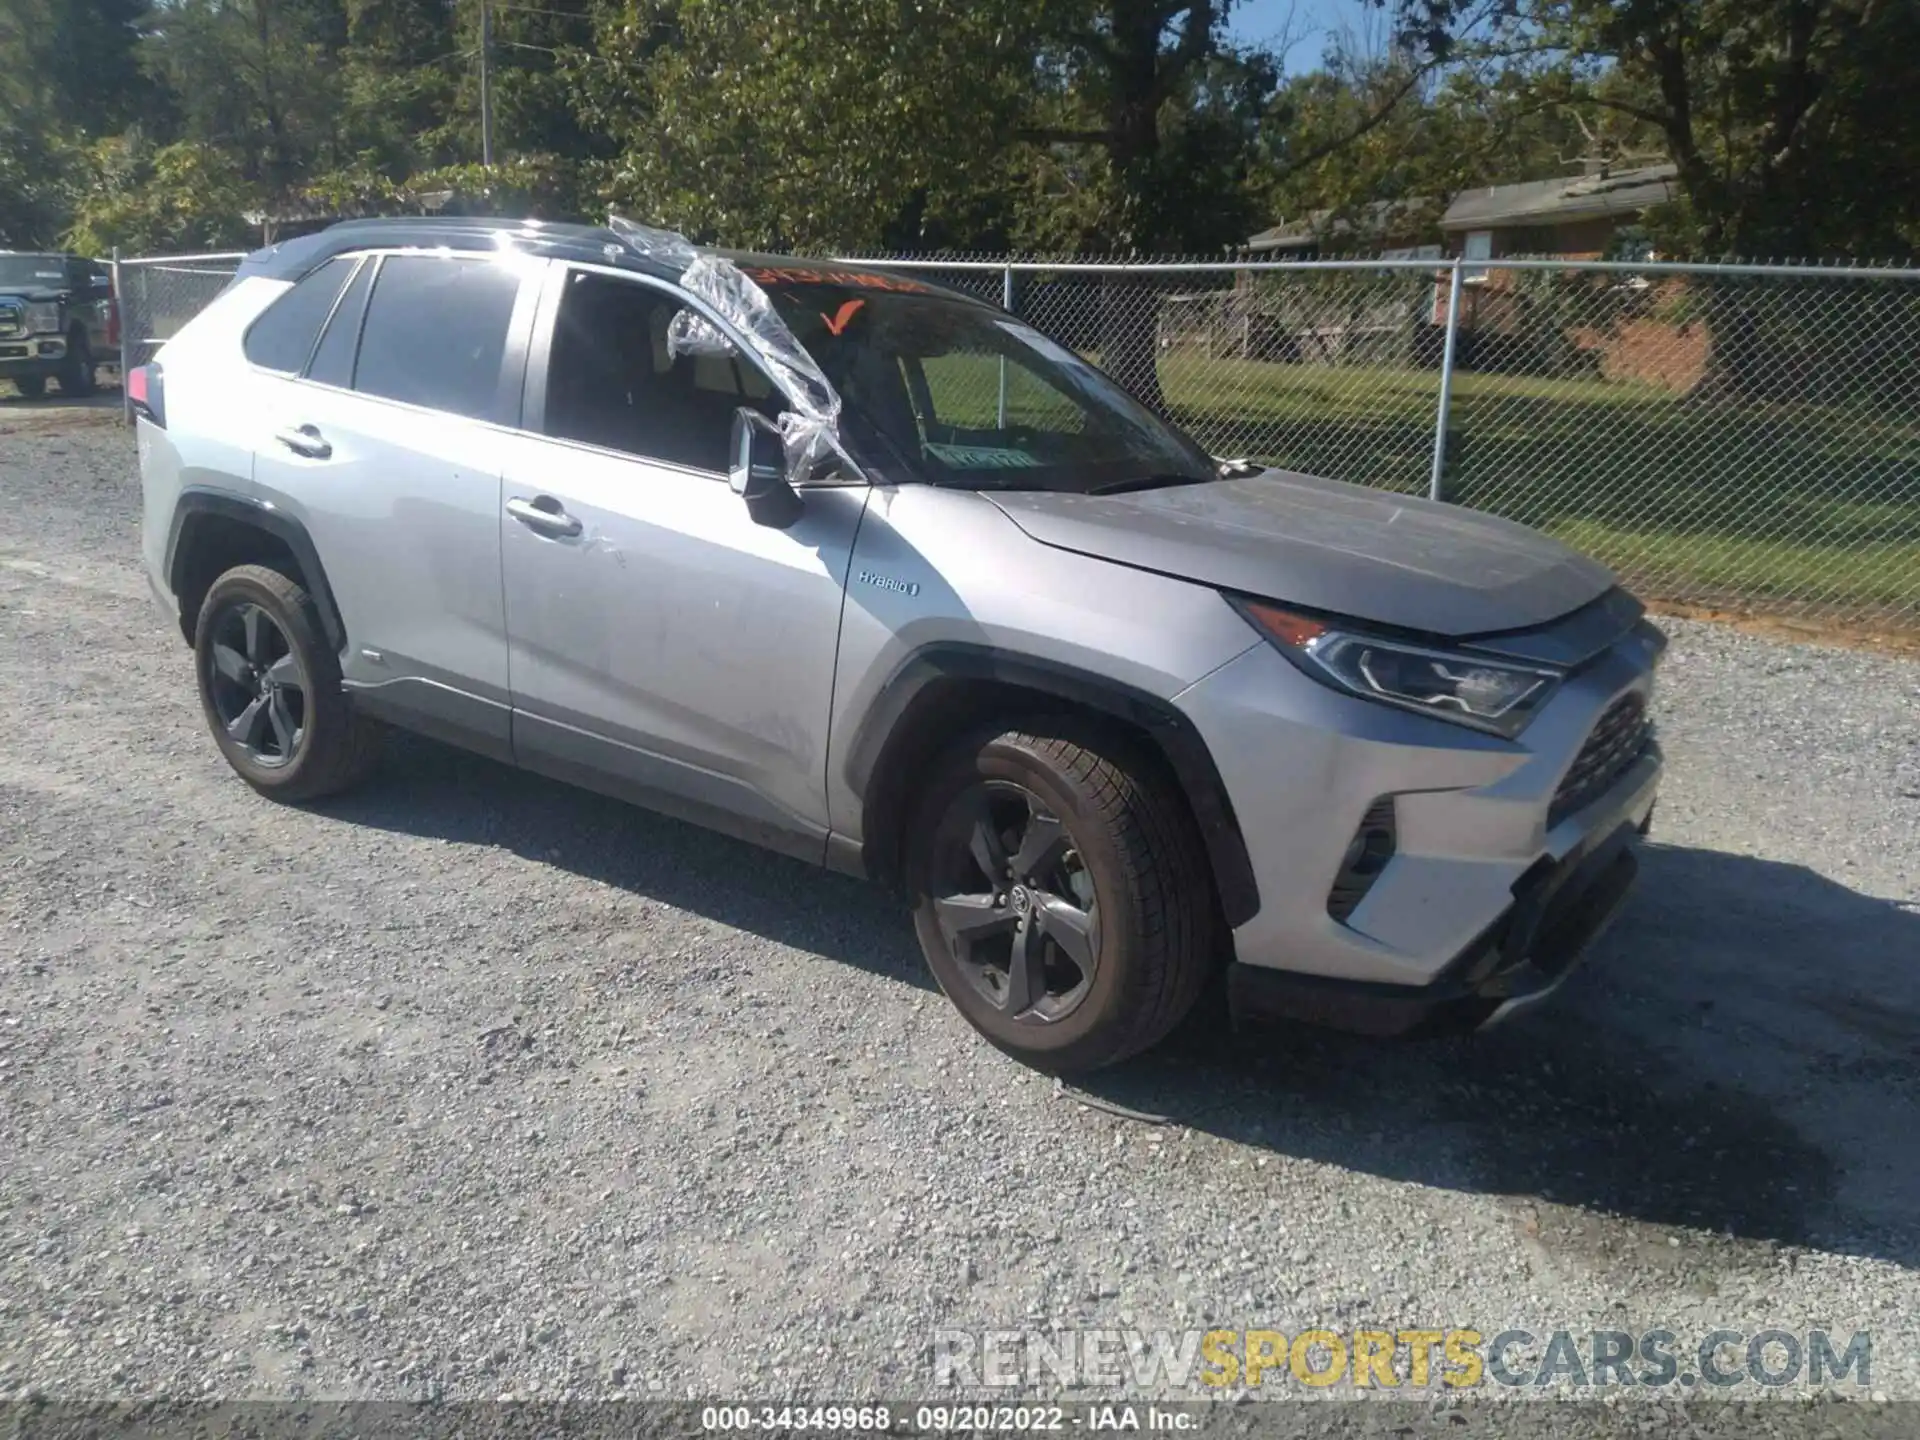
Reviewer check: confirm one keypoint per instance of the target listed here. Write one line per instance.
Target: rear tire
(31, 387)
(1061, 893)
(76, 376)
(270, 689)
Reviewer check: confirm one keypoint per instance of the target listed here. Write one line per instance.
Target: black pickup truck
(58, 320)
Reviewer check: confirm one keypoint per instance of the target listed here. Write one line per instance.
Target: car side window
(282, 338)
(333, 359)
(613, 381)
(436, 332)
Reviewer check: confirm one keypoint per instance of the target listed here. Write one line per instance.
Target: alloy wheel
(1015, 903)
(255, 683)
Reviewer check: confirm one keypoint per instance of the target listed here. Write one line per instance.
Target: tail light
(147, 394)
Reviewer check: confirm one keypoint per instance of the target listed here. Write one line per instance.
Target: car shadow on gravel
(1737, 1057)
(1741, 1056)
(428, 789)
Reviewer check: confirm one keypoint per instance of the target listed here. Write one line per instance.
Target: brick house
(1579, 217)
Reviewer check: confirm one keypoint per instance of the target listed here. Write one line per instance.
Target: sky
(1307, 23)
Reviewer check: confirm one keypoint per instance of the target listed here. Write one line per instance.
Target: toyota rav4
(880, 576)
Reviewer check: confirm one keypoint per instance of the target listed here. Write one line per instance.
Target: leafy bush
(150, 199)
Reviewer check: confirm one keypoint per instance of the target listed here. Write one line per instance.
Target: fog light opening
(1372, 846)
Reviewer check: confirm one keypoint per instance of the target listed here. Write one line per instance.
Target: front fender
(924, 704)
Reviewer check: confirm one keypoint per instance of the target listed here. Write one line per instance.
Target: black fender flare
(884, 745)
(197, 505)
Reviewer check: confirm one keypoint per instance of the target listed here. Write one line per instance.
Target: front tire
(270, 689)
(1061, 894)
(76, 377)
(31, 387)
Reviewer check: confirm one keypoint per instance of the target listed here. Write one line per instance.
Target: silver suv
(881, 577)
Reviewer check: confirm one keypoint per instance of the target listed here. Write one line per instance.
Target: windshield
(966, 396)
(32, 272)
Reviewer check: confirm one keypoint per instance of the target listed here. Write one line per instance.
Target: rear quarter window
(282, 338)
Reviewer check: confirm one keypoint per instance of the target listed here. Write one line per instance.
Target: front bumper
(1491, 891)
(1559, 910)
(32, 355)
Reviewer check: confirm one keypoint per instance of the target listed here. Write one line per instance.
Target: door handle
(543, 513)
(305, 440)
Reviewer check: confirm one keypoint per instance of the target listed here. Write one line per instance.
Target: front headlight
(1454, 685)
(43, 317)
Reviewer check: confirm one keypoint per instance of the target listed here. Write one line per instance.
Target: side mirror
(757, 471)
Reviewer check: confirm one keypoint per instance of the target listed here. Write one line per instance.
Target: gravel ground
(469, 1085)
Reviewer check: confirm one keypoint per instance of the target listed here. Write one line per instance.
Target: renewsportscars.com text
(1459, 1357)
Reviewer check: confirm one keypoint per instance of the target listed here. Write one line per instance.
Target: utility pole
(486, 94)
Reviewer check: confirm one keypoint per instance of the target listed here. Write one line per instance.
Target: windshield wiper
(1163, 481)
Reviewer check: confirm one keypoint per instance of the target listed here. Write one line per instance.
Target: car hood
(30, 293)
(1393, 559)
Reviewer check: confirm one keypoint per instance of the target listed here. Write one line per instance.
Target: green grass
(1878, 582)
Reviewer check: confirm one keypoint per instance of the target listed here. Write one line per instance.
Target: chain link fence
(1730, 437)
(158, 294)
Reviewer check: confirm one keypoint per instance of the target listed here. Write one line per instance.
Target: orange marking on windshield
(838, 322)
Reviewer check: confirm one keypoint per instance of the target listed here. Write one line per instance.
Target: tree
(849, 124)
(400, 78)
(149, 199)
(809, 123)
(1791, 122)
(72, 66)
(1140, 137)
(36, 184)
(69, 72)
(534, 102)
(1158, 115)
(257, 80)
(1791, 126)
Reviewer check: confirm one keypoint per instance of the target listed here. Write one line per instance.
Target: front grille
(13, 319)
(1616, 742)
